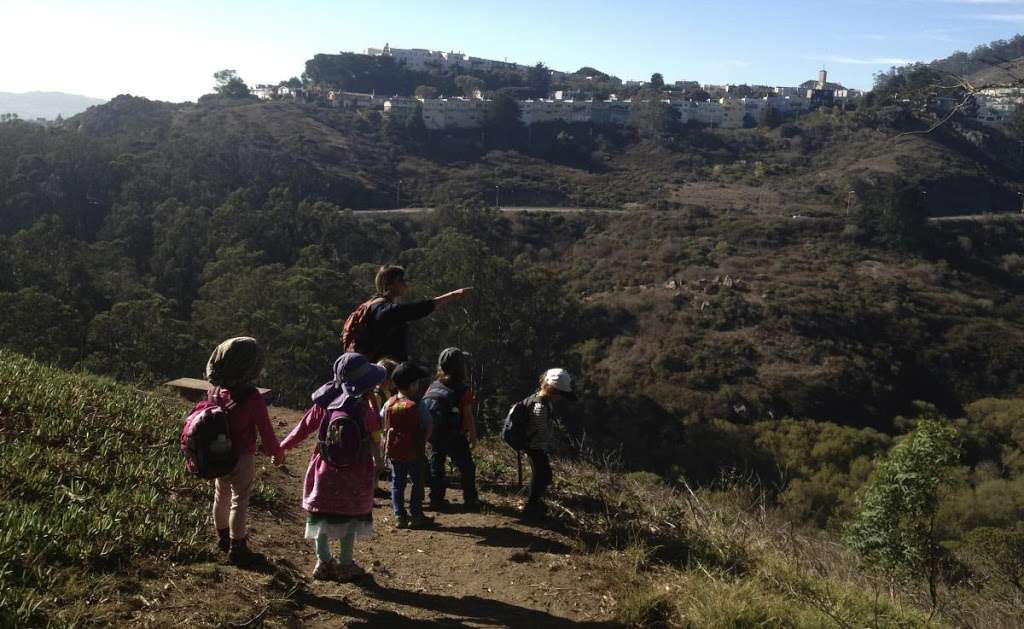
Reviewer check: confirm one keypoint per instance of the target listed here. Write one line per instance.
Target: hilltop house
(423, 59)
(997, 105)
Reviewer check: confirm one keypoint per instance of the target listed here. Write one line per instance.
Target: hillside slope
(355, 159)
(102, 526)
(618, 549)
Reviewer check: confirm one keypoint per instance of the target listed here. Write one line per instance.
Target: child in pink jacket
(339, 500)
(232, 368)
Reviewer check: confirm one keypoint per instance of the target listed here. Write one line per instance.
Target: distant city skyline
(169, 51)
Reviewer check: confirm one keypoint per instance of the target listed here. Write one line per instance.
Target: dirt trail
(474, 569)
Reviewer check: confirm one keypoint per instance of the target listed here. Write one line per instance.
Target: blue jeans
(456, 446)
(400, 471)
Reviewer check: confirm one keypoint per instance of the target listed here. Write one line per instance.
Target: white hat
(560, 380)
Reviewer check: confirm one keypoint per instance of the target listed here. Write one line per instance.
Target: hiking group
(368, 413)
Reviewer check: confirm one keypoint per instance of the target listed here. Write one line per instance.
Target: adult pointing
(379, 327)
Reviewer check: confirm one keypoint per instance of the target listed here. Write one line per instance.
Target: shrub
(894, 528)
(90, 479)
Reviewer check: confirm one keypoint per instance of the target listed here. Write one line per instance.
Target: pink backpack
(206, 437)
(342, 440)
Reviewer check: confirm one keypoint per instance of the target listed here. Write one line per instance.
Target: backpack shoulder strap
(242, 396)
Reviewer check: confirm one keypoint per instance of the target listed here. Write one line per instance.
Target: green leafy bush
(895, 527)
(90, 481)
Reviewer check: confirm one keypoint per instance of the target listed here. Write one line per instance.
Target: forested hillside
(768, 300)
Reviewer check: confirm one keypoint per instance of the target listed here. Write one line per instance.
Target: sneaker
(401, 521)
(350, 572)
(421, 521)
(325, 570)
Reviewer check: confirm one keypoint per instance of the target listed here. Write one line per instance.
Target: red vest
(402, 420)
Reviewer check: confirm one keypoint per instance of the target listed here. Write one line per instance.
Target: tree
(141, 341)
(698, 95)
(655, 120)
(893, 213)
(772, 118)
(538, 79)
(894, 527)
(293, 311)
(503, 118)
(508, 338)
(468, 84)
(426, 91)
(230, 84)
(657, 81)
(39, 325)
(416, 127)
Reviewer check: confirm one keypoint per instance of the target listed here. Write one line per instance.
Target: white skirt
(338, 530)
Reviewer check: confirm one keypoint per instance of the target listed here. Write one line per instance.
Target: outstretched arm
(310, 423)
(454, 295)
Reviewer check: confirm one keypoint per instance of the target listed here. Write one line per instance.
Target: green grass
(716, 558)
(90, 479)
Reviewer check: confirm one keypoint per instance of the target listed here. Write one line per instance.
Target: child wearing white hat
(554, 384)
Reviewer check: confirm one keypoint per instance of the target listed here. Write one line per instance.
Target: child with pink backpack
(219, 439)
(338, 488)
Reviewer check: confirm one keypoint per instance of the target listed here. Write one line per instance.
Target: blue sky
(169, 51)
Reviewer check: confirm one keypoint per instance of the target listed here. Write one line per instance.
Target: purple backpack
(342, 440)
(206, 437)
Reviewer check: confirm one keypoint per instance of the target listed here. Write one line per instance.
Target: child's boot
(421, 521)
(350, 572)
(224, 540)
(325, 570)
(239, 553)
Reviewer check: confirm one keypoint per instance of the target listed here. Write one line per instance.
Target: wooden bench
(194, 389)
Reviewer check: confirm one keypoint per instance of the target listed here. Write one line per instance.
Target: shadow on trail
(459, 610)
(506, 537)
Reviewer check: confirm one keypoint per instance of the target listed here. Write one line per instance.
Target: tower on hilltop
(822, 79)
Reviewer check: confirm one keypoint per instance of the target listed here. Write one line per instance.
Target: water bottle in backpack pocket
(205, 441)
(342, 440)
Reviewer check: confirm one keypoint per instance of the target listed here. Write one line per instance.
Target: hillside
(768, 276)
(48, 105)
(107, 530)
(769, 303)
(1006, 73)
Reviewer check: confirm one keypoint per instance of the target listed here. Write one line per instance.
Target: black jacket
(389, 326)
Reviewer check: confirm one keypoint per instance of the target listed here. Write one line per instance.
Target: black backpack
(515, 430)
(443, 404)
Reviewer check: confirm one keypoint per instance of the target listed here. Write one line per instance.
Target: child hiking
(407, 427)
(338, 487)
(233, 368)
(378, 398)
(378, 328)
(554, 384)
(450, 402)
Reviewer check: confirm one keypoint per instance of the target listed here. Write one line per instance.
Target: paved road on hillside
(984, 218)
(510, 210)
